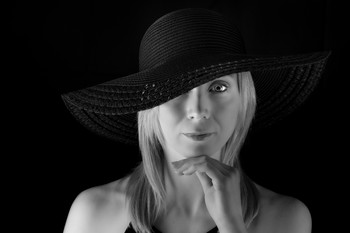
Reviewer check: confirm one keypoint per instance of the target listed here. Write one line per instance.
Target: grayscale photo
(179, 116)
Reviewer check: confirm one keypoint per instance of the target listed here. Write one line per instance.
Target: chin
(193, 151)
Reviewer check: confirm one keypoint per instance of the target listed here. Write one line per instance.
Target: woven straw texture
(185, 49)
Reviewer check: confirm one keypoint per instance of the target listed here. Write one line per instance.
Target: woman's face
(210, 108)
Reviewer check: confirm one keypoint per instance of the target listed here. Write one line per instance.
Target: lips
(198, 136)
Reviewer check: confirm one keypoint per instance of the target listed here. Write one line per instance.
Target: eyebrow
(226, 78)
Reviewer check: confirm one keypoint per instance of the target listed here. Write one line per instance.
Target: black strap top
(131, 230)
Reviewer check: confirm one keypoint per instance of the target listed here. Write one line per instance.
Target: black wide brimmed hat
(185, 49)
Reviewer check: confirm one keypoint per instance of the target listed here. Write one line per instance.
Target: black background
(53, 43)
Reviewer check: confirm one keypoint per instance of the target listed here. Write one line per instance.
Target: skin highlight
(212, 107)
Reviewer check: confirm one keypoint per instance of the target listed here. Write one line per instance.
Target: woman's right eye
(219, 87)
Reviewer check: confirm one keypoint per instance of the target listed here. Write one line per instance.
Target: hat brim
(282, 83)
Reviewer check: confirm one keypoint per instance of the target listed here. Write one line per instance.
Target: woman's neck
(184, 192)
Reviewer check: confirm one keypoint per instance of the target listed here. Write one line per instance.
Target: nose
(197, 105)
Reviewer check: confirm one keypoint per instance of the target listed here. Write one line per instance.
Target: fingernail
(185, 172)
(180, 173)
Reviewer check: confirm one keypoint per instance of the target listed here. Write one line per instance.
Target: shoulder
(99, 209)
(282, 213)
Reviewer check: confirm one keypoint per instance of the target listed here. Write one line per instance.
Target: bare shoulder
(280, 213)
(101, 209)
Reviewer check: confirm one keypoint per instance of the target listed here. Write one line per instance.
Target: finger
(205, 180)
(188, 167)
(214, 174)
(222, 167)
(182, 165)
(213, 168)
(178, 164)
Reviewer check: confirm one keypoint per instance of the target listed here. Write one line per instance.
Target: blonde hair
(146, 187)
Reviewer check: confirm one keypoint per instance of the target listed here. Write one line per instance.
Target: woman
(195, 97)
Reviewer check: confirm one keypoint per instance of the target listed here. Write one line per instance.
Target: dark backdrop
(54, 43)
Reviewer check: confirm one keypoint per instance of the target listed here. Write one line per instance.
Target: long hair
(146, 187)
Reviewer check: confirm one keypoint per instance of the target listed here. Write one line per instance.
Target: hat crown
(188, 31)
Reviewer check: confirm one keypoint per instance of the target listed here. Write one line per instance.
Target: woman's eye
(219, 88)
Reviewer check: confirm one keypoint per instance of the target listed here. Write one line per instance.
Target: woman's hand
(221, 186)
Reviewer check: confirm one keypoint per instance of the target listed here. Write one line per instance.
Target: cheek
(169, 118)
(226, 117)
